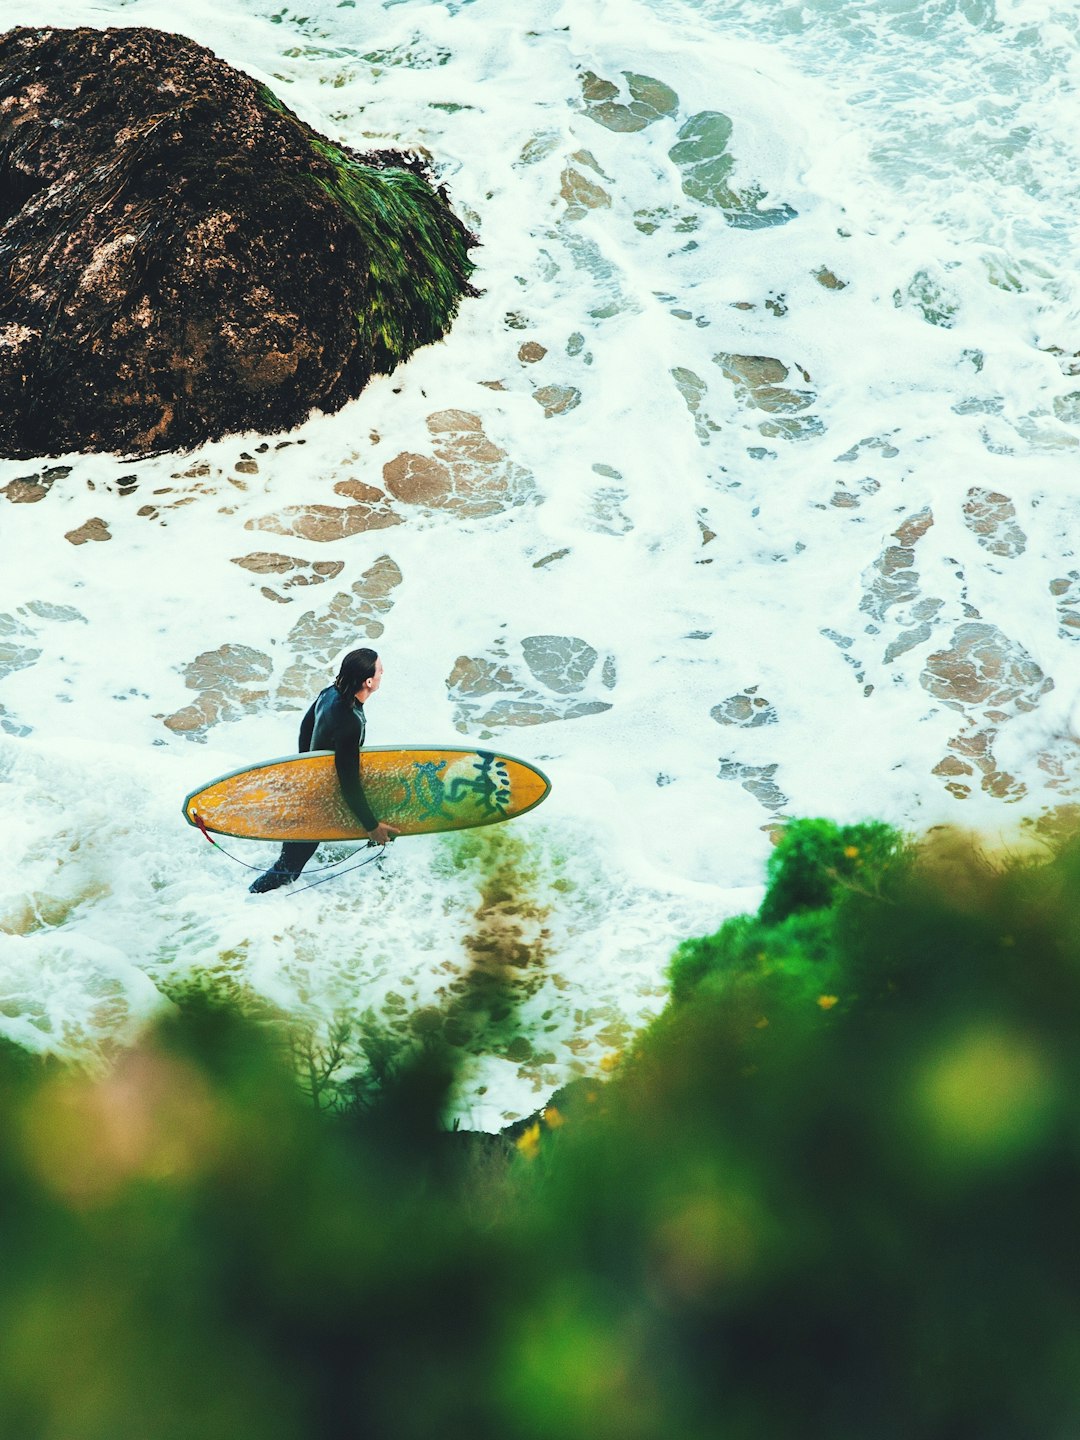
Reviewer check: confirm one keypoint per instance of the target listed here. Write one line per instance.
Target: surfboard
(418, 789)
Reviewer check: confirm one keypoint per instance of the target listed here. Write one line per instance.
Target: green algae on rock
(184, 258)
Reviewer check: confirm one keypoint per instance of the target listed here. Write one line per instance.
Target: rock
(985, 668)
(357, 490)
(46, 610)
(908, 640)
(299, 572)
(582, 194)
(418, 480)
(748, 710)
(231, 681)
(27, 489)
(557, 399)
(264, 562)
(605, 514)
(561, 662)
(911, 530)
(11, 726)
(885, 449)
(758, 380)
(24, 492)
(13, 655)
(925, 293)
(892, 581)
(325, 523)
(973, 754)
(469, 475)
(758, 384)
(650, 100)
(1066, 591)
(844, 643)
(952, 765)
(497, 690)
(701, 153)
(93, 529)
(757, 780)
(896, 582)
(991, 518)
(183, 258)
(694, 390)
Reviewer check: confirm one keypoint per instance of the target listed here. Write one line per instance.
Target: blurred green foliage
(832, 1192)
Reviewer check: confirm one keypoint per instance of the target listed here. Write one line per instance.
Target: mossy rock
(185, 259)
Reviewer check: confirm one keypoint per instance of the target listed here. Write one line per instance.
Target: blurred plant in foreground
(831, 1192)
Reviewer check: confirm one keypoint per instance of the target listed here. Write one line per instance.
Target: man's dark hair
(358, 666)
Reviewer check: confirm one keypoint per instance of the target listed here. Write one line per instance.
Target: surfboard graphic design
(418, 789)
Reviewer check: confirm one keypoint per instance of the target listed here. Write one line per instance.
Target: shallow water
(745, 490)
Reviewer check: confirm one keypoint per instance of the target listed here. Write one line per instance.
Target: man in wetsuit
(336, 722)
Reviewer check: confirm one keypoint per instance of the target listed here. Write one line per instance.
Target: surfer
(336, 722)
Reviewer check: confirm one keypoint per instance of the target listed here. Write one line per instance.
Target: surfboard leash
(200, 825)
(205, 833)
(378, 858)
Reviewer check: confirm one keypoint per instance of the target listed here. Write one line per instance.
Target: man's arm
(347, 765)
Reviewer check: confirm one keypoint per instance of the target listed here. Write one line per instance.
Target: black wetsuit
(334, 722)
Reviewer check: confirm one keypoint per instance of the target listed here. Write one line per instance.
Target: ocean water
(747, 489)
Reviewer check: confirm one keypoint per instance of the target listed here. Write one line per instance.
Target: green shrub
(819, 876)
(815, 860)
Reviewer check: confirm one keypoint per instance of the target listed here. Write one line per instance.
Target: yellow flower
(609, 1062)
(851, 851)
(528, 1142)
(827, 1001)
(553, 1118)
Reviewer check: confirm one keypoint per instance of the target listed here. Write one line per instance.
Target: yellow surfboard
(417, 789)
